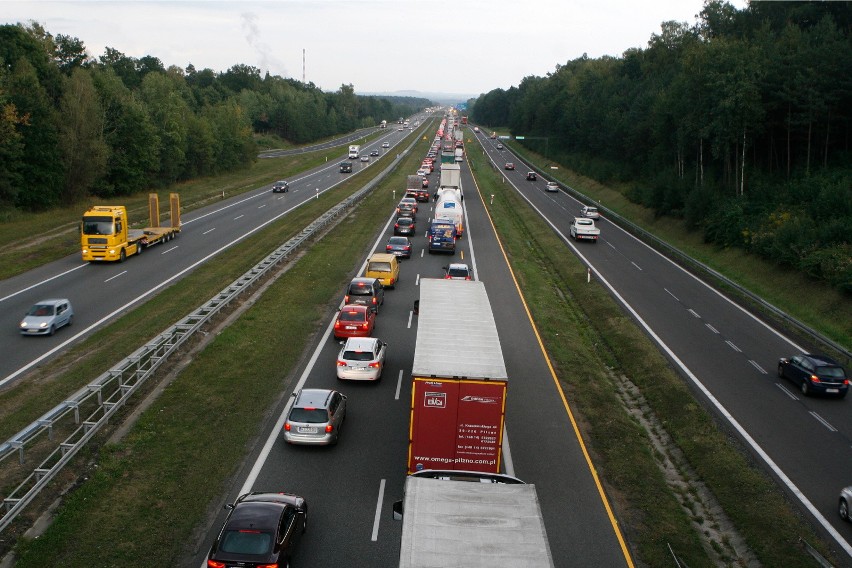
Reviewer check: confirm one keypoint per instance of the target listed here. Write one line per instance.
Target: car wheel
(805, 388)
(70, 320)
(780, 371)
(843, 509)
(51, 331)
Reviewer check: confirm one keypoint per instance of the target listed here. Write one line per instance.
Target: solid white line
(209, 231)
(398, 386)
(279, 424)
(45, 281)
(375, 536)
(711, 328)
(758, 367)
(122, 273)
(169, 250)
(734, 347)
(823, 421)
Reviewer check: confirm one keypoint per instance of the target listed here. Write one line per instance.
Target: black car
(346, 167)
(815, 374)
(280, 187)
(374, 153)
(404, 226)
(262, 529)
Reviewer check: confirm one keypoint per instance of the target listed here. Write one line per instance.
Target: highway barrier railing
(84, 413)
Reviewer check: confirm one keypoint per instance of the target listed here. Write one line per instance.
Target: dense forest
(738, 124)
(72, 126)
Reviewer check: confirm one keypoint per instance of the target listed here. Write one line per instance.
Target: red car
(510, 166)
(354, 321)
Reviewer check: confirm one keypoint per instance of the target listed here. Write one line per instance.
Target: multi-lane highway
(351, 487)
(100, 292)
(728, 355)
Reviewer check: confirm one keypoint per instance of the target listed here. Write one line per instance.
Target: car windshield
(358, 355)
(458, 271)
(309, 415)
(40, 310)
(246, 542)
(397, 241)
(97, 225)
(351, 315)
(833, 372)
(379, 267)
(405, 221)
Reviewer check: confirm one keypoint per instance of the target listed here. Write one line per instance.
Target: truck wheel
(122, 256)
(140, 246)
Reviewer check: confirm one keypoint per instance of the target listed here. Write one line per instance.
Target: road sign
(504, 137)
(519, 137)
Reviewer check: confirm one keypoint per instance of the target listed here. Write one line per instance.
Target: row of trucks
(106, 236)
(458, 509)
(448, 220)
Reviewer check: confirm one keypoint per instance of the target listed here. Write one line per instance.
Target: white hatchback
(361, 359)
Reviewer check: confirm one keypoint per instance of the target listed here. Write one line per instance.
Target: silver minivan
(46, 316)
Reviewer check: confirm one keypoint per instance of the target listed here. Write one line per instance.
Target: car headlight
(24, 324)
(43, 324)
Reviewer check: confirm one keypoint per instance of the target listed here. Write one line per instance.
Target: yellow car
(384, 267)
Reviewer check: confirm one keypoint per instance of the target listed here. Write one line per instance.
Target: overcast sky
(463, 46)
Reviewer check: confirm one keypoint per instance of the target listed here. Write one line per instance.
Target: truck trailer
(459, 380)
(478, 523)
(106, 235)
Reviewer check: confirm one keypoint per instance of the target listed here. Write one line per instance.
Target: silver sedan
(361, 359)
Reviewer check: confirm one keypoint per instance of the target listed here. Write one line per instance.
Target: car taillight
(388, 248)
(375, 301)
(447, 277)
(287, 426)
(214, 564)
(337, 324)
(467, 277)
(391, 281)
(346, 299)
(341, 363)
(365, 325)
(329, 427)
(375, 365)
(267, 566)
(407, 247)
(396, 225)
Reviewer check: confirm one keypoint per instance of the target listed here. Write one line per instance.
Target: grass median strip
(583, 328)
(149, 492)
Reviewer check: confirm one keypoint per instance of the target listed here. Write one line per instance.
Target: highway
(726, 354)
(351, 487)
(101, 292)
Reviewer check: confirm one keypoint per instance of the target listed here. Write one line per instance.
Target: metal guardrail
(685, 260)
(86, 411)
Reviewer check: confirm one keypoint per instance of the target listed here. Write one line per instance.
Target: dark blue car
(815, 374)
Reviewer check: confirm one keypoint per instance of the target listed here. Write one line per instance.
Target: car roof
(360, 343)
(258, 515)
(821, 360)
(459, 265)
(381, 256)
(50, 302)
(281, 181)
(408, 219)
(362, 280)
(354, 308)
(399, 239)
(312, 397)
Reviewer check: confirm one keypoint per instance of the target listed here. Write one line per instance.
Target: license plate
(351, 327)
(306, 430)
(832, 390)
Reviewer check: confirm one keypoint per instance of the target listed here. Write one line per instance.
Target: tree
(81, 140)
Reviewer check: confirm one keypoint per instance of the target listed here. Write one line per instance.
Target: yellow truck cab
(106, 236)
(384, 267)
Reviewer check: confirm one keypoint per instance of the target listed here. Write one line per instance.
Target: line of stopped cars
(262, 529)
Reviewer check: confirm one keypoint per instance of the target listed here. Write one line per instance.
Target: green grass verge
(583, 328)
